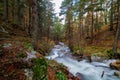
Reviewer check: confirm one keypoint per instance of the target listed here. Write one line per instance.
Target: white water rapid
(88, 71)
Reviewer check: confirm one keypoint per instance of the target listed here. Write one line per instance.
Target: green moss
(28, 46)
(40, 69)
(61, 76)
(55, 65)
(78, 50)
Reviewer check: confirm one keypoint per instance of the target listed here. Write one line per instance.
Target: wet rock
(117, 74)
(72, 77)
(97, 58)
(80, 76)
(115, 65)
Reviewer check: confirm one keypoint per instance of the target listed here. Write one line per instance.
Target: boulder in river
(115, 65)
(117, 74)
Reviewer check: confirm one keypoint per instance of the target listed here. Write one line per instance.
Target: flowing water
(88, 71)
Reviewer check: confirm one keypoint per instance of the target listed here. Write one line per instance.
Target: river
(83, 68)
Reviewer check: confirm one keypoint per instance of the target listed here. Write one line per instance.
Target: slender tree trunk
(69, 30)
(92, 24)
(80, 28)
(80, 33)
(105, 13)
(6, 10)
(45, 24)
(48, 31)
(96, 28)
(68, 26)
(35, 24)
(118, 3)
(111, 17)
(18, 12)
(115, 45)
(30, 26)
(87, 26)
(13, 11)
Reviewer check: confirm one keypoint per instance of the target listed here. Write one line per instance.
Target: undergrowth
(40, 69)
(60, 76)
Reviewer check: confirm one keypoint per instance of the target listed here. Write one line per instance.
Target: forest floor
(102, 43)
(14, 45)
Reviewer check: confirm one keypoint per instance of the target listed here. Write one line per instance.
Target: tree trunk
(13, 11)
(88, 25)
(48, 31)
(69, 30)
(105, 13)
(111, 17)
(35, 24)
(96, 28)
(115, 45)
(30, 26)
(18, 12)
(6, 10)
(92, 24)
(118, 3)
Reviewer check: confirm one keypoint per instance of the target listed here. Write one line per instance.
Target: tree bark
(18, 11)
(6, 10)
(48, 31)
(13, 11)
(35, 24)
(69, 30)
(92, 24)
(115, 45)
(111, 17)
(96, 28)
(30, 26)
(105, 13)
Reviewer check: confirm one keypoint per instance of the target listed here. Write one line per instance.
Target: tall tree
(30, 23)
(92, 22)
(35, 23)
(67, 10)
(111, 16)
(18, 11)
(115, 45)
(6, 10)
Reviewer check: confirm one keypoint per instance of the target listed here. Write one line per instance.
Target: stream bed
(83, 69)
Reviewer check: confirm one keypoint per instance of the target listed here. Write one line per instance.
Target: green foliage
(40, 69)
(109, 53)
(78, 50)
(28, 46)
(58, 29)
(60, 75)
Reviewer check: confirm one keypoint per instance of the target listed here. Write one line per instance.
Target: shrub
(40, 69)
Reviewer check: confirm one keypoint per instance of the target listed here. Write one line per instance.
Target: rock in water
(115, 65)
(117, 74)
(80, 76)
